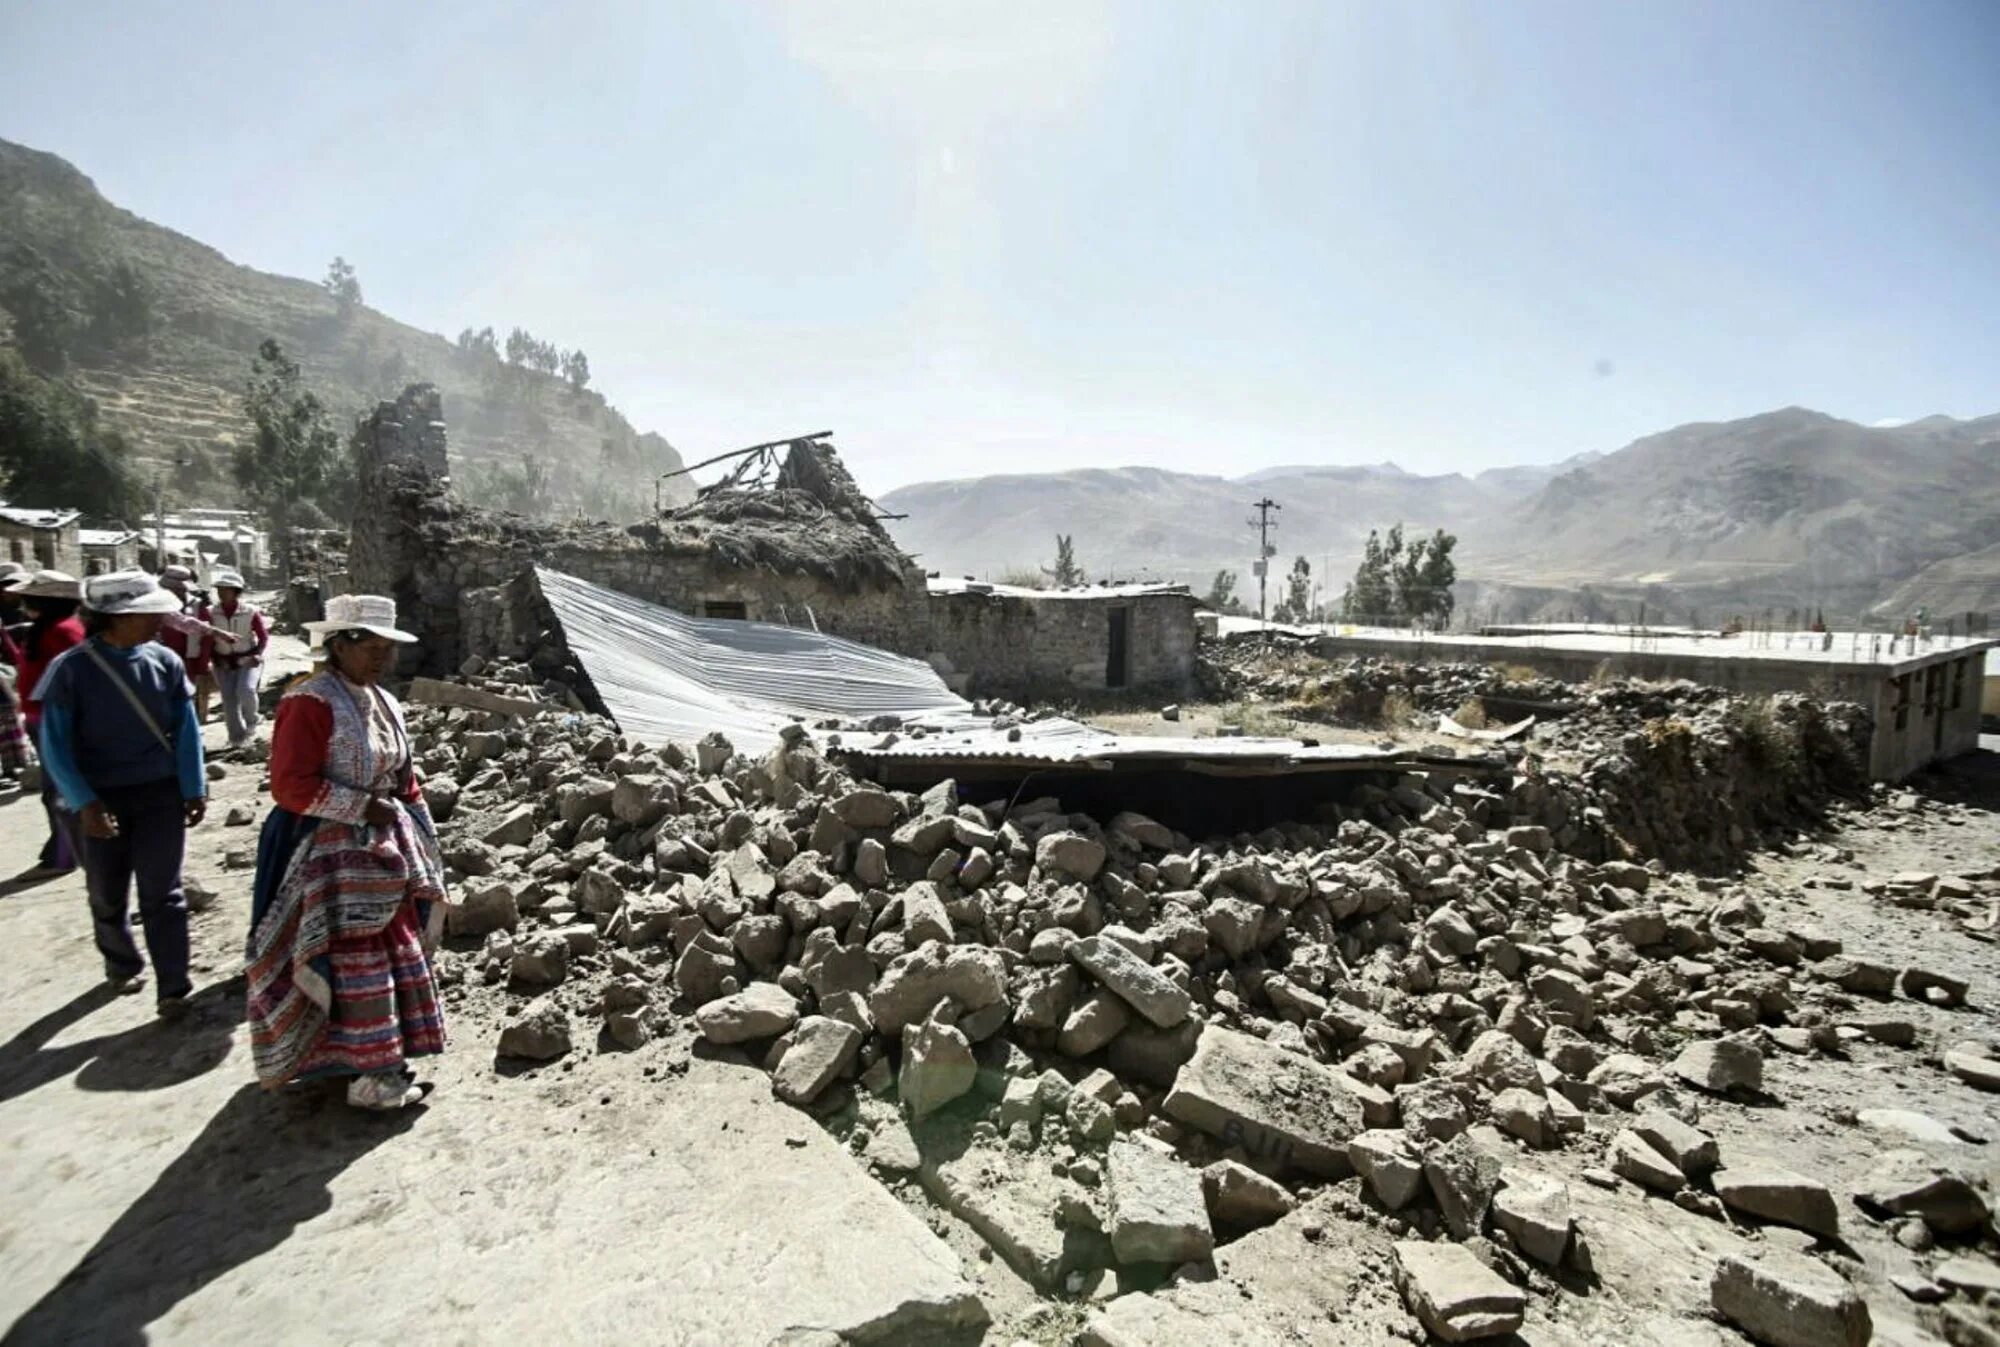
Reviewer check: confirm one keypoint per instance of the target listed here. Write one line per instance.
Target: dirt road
(150, 1192)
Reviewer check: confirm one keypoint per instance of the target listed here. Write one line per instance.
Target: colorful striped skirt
(339, 982)
(385, 1005)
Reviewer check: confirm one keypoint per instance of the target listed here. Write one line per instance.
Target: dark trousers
(151, 842)
(59, 852)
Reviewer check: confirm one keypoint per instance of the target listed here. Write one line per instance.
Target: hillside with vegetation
(137, 342)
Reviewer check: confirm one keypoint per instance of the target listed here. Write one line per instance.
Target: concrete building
(41, 540)
(106, 550)
(1012, 641)
(206, 539)
(1924, 692)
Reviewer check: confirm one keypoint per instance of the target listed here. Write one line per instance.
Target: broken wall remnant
(804, 555)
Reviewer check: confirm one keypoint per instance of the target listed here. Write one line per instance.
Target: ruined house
(804, 551)
(787, 539)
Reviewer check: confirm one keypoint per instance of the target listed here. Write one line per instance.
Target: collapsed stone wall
(451, 566)
(1690, 775)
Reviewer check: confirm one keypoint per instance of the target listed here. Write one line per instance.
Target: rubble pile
(1139, 1045)
(1691, 775)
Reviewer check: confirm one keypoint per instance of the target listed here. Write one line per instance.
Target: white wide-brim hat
(124, 592)
(371, 613)
(48, 585)
(229, 578)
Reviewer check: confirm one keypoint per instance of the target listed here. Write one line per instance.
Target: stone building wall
(1019, 646)
(41, 549)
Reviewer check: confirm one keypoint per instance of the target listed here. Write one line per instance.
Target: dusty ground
(149, 1192)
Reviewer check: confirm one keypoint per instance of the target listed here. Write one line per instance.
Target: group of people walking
(347, 904)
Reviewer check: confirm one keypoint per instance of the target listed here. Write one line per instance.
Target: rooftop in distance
(1833, 649)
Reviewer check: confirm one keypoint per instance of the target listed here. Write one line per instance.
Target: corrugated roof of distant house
(1845, 649)
(957, 584)
(39, 519)
(107, 537)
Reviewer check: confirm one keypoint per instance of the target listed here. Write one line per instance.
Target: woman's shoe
(382, 1092)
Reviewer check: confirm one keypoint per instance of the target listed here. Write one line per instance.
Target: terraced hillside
(176, 393)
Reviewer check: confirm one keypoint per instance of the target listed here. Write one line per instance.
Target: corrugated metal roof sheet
(666, 676)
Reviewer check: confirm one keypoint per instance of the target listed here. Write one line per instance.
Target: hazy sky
(1011, 237)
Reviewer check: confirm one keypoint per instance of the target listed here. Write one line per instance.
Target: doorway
(1117, 661)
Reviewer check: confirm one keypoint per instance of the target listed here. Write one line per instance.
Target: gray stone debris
(820, 1052)
(1070, 854)
(1389, 1164)
(1096, 1020)
(1158, 1213)
(540, 960)
(1463, 1179)
(1693, 1151)
(1239, 1198)
(540, 1032)
(1779, 1195)
(1721, 1065)
(916, 983)
(1636, 1158)
(1453, 1294)
(938, 1067)
(1140, 985)
(1283, 1109)
(1786, 1299)
(761, 1010)
(1535, 1210)
(1910, 1183)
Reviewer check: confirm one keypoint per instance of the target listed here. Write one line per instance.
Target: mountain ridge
(1790, 508)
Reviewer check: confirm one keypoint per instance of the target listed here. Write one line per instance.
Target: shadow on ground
(149, 1056)
(258, 1170)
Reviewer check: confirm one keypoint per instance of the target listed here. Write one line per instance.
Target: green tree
(520, 347)
(290, 454)
(1370, 597)
(122, 310)
(54, 454)
(576, 369)
(1065, 574)
(343, 285)
(44, 307)
(480, 343)
(1433, 577)
(1221, 596)
(1297, 604)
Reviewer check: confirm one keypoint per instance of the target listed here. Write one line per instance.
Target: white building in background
(203, 540)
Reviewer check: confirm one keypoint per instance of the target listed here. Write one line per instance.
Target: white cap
(229, 578)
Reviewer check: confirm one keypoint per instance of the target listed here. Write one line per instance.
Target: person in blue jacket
(120, 742)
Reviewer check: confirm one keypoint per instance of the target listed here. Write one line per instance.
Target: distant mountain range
(178, 396)
(1791, 509)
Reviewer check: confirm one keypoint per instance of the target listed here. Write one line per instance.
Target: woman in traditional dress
(349, 896)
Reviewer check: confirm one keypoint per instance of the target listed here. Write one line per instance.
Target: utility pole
(1263, 524)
